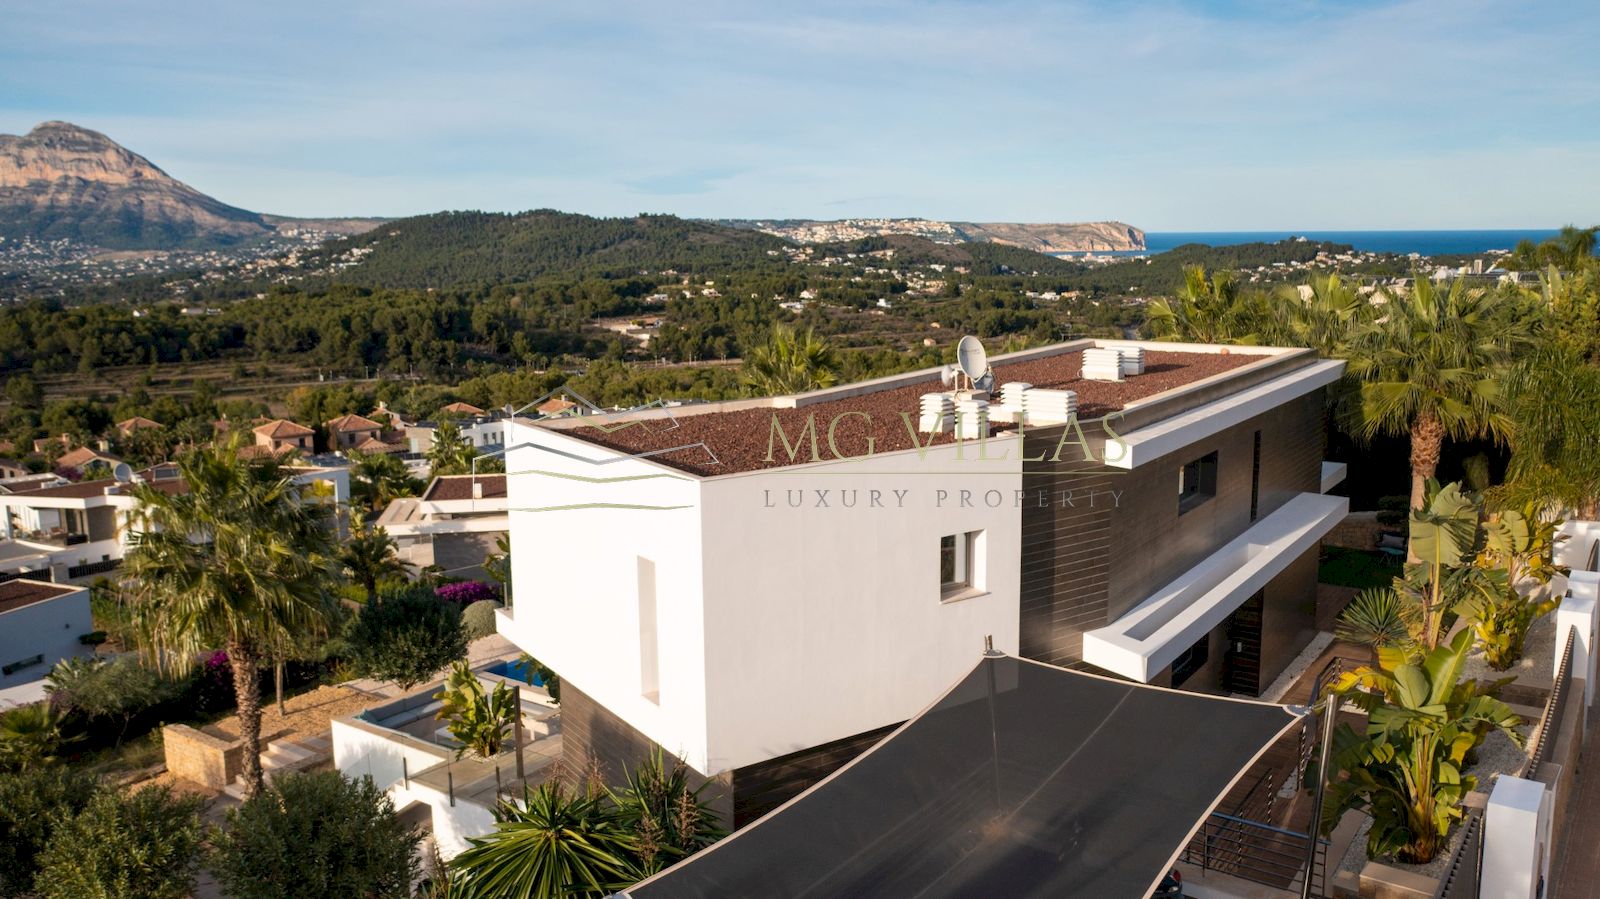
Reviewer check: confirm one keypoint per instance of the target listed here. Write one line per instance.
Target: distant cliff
(1075, 237)
(1057, 238)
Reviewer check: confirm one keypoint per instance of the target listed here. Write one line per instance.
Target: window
(1197, 482)
(1255, 480)
(25, 663)
(960, 563)
(1191, 660)
(649, 658)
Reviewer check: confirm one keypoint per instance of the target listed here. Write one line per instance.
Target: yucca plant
(554, 844)
(1406, 771)
(670, 820)
(790, 361)
(1377, 617)
(479, 719)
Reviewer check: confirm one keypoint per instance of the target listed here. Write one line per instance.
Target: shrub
(466, 592)
(406, 637)
(316, 836)
(116, 691)
(478, 618)
(480, 720)
(143, 845)
(30, 736)
(31, 804)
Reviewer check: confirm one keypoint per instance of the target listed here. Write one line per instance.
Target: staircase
(286, 755)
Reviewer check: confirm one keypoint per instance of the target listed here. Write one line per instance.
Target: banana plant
(1446, 535)
(480, 720)
(1518, 546)
(1406, 770)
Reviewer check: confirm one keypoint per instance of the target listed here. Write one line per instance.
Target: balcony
(1142, 643)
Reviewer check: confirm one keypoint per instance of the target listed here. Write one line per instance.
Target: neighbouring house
(455, 524)
(350, 431)
(127, 427)
(43, 444)
(556, 406)
(40, 624)
(466, 410)
(766, 587)
(483, 431)
(280, 436)
(63, 531)
(11, 468)
(82, 458)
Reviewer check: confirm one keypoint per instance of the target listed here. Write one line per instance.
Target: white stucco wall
(50, 628)
(778, 628)
(576, 587)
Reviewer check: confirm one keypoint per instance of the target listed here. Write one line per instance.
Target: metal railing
(1464, 874)
(1554, 707)
(1594, 557)
(89, 568)
(1260, 853)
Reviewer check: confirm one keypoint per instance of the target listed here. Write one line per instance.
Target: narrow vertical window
(649, 661)
(1255, 479)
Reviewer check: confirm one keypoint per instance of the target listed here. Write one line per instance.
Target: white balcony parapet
(1148, 638)
(1333, 474)
(1171, 434)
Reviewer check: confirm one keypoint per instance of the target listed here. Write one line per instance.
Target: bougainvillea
(466, 592)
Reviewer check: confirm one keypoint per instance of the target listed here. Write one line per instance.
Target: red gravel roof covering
(459, 486)
(23, 592)
(80, 490)
(739, 439)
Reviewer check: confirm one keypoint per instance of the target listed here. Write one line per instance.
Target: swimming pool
(516, 669)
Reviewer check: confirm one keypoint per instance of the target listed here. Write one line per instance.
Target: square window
(959, 563)
(1197, 482)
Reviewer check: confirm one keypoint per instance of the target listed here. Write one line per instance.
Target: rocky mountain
(1050, 238)
(60, 181)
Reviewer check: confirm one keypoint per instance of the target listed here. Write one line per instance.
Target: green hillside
(452, 249)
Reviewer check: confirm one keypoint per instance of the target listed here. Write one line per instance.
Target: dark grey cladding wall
(1087, 563)
(591, 736)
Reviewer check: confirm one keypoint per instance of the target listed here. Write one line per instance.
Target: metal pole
(516, 736)
(990, 655)
(450, 779)
(1330, 716)
(405, 773)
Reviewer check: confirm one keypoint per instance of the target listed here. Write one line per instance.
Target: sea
(1427, 243)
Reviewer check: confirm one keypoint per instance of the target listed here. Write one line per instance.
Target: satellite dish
(947, 376)
(122, 472)
(972, 358)
(985, 383)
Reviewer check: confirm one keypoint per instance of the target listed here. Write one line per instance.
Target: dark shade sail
(1065, 785)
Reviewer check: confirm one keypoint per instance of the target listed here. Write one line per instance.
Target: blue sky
(1170, 116)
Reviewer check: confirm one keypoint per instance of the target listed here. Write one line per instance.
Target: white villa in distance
(766, 600)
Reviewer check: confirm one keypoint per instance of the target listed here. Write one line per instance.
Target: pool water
(516, 669)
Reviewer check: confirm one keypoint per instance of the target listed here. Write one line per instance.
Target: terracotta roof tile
(279, 428)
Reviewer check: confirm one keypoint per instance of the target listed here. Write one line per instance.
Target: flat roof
(23, 592)
(739, 436)
(459, 486)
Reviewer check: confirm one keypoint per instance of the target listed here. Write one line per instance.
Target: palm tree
(30, 735)
(1431, 367)
(1555, 458)
(1322, 314)
(450, 453)
(369, 557)
(377, 479)
(555, 844)
(236, 560)
(1207, 309)
(790, 362)
(1570, 250)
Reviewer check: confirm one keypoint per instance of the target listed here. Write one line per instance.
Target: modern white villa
(765, 586)
(66, 531)
(40, 624)
(454, 524)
